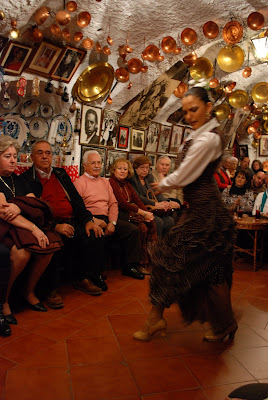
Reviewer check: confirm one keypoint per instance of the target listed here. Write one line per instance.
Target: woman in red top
(130, 205)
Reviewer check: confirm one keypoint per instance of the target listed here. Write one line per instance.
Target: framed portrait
(113, 155)
(164, 139)
(44, 58)
(14, 58)
(109, 128)
(152, 137)
(123, 137)
(263, 149)
(152, 158)
(137, 139)
(176, 138)
(68, 63)
(102, 153)
(243, 150)
(131, 156)
(90, 125)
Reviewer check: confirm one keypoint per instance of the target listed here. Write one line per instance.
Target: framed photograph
(176, 138)
(137, 139)
(90, 125)
(263, 145)
(109, 128)
(152, 137)
(123, 137)
(113, 155)
(68, 64)
(164, 139)
(243, 150)
(152, 158)
(44, 58)
(102, 153)
(15, 58)
(186, 133)
(131, 156)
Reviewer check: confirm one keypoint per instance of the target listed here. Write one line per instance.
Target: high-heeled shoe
(211, 336)
(5, 330)
(10, 319)
(160, 326)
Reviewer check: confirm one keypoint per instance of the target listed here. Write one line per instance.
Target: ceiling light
(261, 47)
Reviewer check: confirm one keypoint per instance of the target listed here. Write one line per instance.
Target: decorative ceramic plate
(59, 127)
(16, 127)
(38, 127)
(11, 102)
(46, 111)
(30, 108)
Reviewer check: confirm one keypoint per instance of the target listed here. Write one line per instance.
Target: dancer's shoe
(211, 336)
(146, 335)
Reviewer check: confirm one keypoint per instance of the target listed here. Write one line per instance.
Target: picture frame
(152, 158)
(152, 137)
(102, 153)
(243, 150)
(109, 128)
(123, 137)
(131, 156)
(176, 138)
(173, 164)
(263, 146)
(113, 155)
(15, 58)
(44, 58)
(90, 125)
(68, 63)
(164, 139)
(137, 139)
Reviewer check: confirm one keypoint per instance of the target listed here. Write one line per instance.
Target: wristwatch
(113, 222)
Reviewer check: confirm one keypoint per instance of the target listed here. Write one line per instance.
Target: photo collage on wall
(101, 130)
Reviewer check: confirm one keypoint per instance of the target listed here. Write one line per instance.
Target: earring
(208, 116)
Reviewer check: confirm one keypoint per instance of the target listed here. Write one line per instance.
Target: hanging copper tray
(232, 32)
(94, 82)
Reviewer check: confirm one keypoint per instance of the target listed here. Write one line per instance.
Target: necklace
(13, 191)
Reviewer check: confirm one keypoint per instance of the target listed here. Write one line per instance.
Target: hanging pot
(260, 92)
(71, 6)
(78, 36)
(202, 68)
(36, 34)
(222, 112)
(83, 19)
(41, 15)
(247, 72)
(87, 43)
(230, 58)
(63, 17)
(238, 99)
(210, 30)
(106, 50)
(232, 32)
(188, 36)
(255, 21)
(122, 75)
(55, 30)
(134, 65)
(190, 59)
(168, 44)
(66, 34)
(151, 52)
(180, 89)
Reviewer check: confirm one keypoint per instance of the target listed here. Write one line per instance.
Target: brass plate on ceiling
(232, 32)
(94, 82)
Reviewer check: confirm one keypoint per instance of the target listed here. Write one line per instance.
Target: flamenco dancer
(193, 265)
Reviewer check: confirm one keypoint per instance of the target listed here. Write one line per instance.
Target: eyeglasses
(144, 167)
(39, 153)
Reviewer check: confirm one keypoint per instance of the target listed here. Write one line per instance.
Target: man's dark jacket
(80, 213)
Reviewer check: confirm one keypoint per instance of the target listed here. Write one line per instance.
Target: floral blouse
(246, 200)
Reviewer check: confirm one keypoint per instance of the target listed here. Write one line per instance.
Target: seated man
(257, 183)
(99, 199)
(222, 178)
(244, 165)
(81, 236)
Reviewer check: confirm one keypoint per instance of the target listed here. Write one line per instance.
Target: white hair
(87, 153)
(233, 159)
(163, 158)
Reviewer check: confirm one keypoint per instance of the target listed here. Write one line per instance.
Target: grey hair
(233, 159)
(87, 153)
(6, 142)
(163, 158)
(40, 141)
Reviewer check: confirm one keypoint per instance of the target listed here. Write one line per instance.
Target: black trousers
(4, 271)
(127, 234)
(80, 258)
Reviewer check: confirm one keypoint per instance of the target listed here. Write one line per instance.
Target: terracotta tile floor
(86, 352)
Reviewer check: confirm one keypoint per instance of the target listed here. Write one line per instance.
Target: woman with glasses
(141, 182)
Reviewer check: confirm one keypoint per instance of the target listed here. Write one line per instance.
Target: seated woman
(239, 195)
(256, 166)
(141, 182)
(129, 204)
(20, 212)
(231, 170)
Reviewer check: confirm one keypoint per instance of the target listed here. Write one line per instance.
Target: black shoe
(38, 307)
(99, 281)
(10, 319)
(5, 330)
(133, 273)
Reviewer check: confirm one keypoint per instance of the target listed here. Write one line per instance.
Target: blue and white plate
(59, 127)
(16, 127)
(38, 127)
(46, 111)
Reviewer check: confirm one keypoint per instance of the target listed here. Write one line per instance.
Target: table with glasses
(255, 228)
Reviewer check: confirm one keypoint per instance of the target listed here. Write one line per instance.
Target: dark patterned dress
(196, 256)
